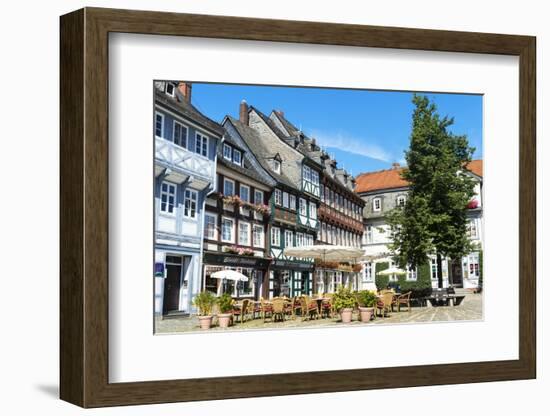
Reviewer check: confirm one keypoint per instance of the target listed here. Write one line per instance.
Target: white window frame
(247, 241)
(433, 268)
(368, 275)
(278, 197)
(276, 166)
(259, 200)
(186, 198)
(307, 173)
(169, 84)
(227, 147)
(276, 236)
(232, 221)
(232, 182)
(300, 239)
(302, 206)
(401, 198)
(215, 228)
(292, 202)
(255, 233)
(289, 235)
(235, 153)
(157, 114)
(312, 210)
(186, 138)
(374, 203)
(241, 187)
(203, 140)
(309, 240)
(285, 200)
(412, 275)
(472, 228)
(175, 195)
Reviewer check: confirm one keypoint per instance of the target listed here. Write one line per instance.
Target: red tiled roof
(391, 178)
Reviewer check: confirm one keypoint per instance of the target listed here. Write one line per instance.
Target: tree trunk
(439, 271)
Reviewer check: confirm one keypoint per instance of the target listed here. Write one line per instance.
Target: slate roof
(179, 105)
(391, 178)
(247, 168)
(263, 151)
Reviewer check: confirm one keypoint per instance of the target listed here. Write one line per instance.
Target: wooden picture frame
(84, 207)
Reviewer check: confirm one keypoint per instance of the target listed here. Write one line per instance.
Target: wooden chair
(266, 309)
(404, 299)
(327, 308)
(278, 310)
(309, 308)
(384, 303)
(296, 306)
(241, 311)
(254, 309)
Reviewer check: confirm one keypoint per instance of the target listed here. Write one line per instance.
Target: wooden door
(172, 285)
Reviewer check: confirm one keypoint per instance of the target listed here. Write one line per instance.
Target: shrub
(381, 281)
(343, 298)
(366, 298)
(204, 302)
(420, 287)
(225, 303)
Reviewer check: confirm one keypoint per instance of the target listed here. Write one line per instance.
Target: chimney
(395, 165)
(281, 113)
(185, 89)
(243, 113)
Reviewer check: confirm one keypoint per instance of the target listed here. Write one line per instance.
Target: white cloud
(350, 144)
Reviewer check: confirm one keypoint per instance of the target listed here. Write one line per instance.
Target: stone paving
(469, 310)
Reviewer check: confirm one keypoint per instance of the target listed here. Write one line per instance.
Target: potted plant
(367, 302)
(204, 301)
(225, 304)
(344, 302)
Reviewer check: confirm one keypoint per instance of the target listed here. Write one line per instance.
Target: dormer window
(237, 157)
(276, 166)
(226, 151)
(376, 204)
(170, 89)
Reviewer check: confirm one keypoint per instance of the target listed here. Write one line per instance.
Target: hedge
(420, 287)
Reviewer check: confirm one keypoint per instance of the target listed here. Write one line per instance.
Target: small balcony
(183, 163)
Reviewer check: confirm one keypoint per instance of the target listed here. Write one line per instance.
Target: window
(228, 187)
(400, 201)
(190, 204)
(278, 197)
(179, 134)
(315, 177)
(331, 198)
(369, 234)
(411, 273)
(323, 232)
(307, 174)
(299, 239)
(201, 144)
(473, 260)
(210, 231)
(258, 197)
(367, 277)
(237, 157)
(433, 268)
(472, 228)
(244, 233)
(322, 190)
(258, 236)
(167, 197)
(244, 193)
(227, 230)
(376, 204)
(303, 207)
(312, 210)
(275, 236)
(309, 240)
(170, 89)
(293, 202)
(226, 151)
(289, 238)
(285, 199)
(276, 166)
(159, 124)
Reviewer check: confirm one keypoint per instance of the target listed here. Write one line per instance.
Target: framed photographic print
(256, 207)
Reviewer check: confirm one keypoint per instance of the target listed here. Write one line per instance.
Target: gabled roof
(261, 151)
(391, 178)
(179, 105)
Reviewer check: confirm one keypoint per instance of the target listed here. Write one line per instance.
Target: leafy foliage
(433, 219)
(343, 298)
(366, 298)
(225, 303)
(204, 301)
(381, 281)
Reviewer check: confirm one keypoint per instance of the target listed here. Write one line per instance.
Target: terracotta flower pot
(205, 322)
(365, 313)
(224, 319)
(346, 313)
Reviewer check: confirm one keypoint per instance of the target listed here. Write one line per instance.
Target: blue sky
(365, 130)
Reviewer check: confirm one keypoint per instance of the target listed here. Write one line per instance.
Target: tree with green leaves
(434, 217)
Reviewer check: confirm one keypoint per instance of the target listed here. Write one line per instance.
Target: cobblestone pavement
(469, 310)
